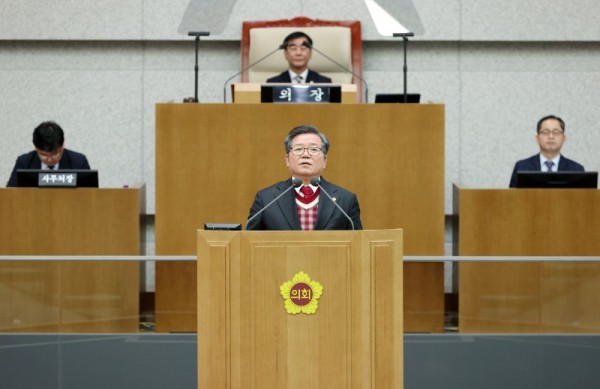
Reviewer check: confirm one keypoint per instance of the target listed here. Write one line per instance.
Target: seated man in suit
(49, 153)
(298, 52)
(305, 208)
(550, 137)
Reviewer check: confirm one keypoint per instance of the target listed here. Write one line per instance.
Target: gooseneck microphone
(316, 181)
(296, 182)
(282, 46)
(308, 45)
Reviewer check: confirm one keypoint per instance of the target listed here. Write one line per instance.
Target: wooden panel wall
(65, 296)
(529, 296)
(212, 158)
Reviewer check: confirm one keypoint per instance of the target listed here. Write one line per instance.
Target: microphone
(316, 181)
(308, 45)
(197, 34)
(280, 47)
(296, 182)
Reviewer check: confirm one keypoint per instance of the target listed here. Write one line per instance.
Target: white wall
(98, 68)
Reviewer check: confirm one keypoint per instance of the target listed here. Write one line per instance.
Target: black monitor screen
(397, 98)
(528, 179)
(73, 178)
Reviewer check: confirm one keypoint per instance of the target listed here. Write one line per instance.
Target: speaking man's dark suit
(532, 164)
(70, 160)
(310, 77)
(282, 215)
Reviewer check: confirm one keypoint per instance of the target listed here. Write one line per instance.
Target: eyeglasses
(312, 150)
(553, 132)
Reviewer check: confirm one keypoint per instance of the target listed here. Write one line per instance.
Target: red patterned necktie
(307, 191)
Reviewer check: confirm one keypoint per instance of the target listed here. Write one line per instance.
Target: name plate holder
(57, 179)
(301, 93)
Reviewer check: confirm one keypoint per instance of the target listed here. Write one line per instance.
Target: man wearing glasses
(49, 153)
(550, 137)
(305, 201)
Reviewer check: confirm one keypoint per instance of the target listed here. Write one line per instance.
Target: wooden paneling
(246, 339)
(66, 296)
(212, 158)
(529, 296)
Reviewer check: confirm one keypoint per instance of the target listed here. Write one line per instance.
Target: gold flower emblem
(301, 294)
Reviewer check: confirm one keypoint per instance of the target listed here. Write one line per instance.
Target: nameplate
(301, 93)
(57, 179)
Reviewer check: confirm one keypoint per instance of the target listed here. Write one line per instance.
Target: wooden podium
(212, 158)
(531, 297)
(70, 296)
(247, 338)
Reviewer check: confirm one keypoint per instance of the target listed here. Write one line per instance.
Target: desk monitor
(71, 178)
(222, 226)
(528, 179)
(397, 98)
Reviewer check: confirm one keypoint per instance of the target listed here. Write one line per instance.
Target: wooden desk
(529, 296)
(66, 296)
(212, 158)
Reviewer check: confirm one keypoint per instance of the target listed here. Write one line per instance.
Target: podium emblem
(301, 294)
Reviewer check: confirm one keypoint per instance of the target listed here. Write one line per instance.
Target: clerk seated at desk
(49, 153)
(550, 138)
(298, 52)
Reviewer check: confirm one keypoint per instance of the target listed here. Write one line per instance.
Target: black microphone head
(316, 181)
(296, 182)
(307, 44)
(283, 46)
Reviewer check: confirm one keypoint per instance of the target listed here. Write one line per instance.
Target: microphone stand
(246, 68)
(296, 182)
(316, 181)
(346, 69)
(404, 36)
(197, 35)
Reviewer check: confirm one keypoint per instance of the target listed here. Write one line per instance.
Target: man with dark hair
(49, 153)
(305, 208)
(550, 138)
(298, 52)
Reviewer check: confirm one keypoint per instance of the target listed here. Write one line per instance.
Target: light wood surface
(65, 296)
(246, 339)
(529, 296)
(212, 158)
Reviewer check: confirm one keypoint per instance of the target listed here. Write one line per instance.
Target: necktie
(51, 167)
(306, 190)
(549, 165)
(298, 79)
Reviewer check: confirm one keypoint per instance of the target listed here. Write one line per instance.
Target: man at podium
(306, 201)
(298, 52)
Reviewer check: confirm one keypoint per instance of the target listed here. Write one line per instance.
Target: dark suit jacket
(282, 214)
(69, 160)
(311, 77)
(532, 164)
